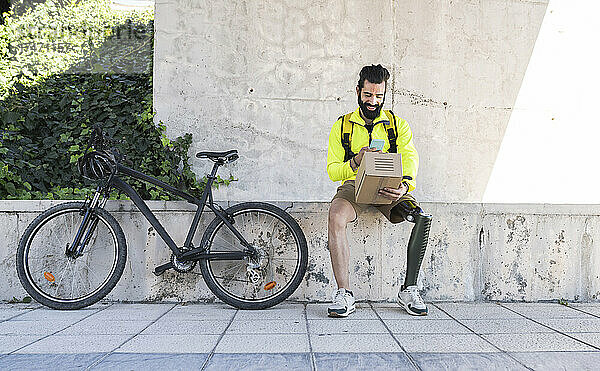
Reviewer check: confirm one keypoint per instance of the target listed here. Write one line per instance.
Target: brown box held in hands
(377, 170)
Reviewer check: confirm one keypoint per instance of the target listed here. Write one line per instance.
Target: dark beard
(370, 115)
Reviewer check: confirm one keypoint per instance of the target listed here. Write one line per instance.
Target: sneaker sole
(408, 310)
(340, 315)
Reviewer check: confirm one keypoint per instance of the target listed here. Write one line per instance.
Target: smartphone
(377, 144)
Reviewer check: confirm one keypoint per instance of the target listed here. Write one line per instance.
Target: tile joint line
(205, 364)
(408, 355)
(56, 332)
(560, 332)
(313, 363)
(481, 337)
(96, 362)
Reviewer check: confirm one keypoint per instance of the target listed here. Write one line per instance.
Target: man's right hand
(359, 156)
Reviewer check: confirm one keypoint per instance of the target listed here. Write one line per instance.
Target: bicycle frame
(189, 252)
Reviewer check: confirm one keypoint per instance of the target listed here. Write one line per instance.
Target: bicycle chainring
(182, 267)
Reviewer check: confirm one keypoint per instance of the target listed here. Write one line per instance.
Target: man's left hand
(393, 194)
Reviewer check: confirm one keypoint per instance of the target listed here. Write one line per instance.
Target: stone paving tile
(434, 326)
(559, 360)
(477, 311)
(282, 311)
(319, 311)
(592, 338)
(201, 312)
(20, 306)
(75, 344)
(573, 324)
(504, 326)
(445, 343)
(362, 361)
(259, 362)
(170, 344)
(169, 327)
(45, 315)
(10, 343)
(48, 361)
(546, 310)
(152, 361)
(132, 312)
(395, 312)
(542, 342)
(591, 308)
(95, 327)
(341, 326)
(263, 343)
(352, 343)
(274, 326)
(7, 313)
(466, 361)
(32, 327)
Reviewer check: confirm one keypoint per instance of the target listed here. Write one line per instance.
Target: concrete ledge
(518, 252)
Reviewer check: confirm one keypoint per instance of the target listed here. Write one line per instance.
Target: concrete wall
(270, 78)
(476, 252)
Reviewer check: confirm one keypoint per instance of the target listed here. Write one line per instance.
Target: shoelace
(339, 296)
(416, 298)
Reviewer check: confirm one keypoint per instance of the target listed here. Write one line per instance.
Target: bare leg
(341, 213)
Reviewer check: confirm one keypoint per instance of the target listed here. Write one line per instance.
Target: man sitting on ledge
(369, 121)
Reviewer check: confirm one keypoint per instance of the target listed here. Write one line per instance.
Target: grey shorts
(391, 212)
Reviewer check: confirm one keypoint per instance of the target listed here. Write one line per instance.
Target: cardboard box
(376, 171)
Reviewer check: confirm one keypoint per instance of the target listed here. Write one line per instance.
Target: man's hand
(393, 194)
(359, 156)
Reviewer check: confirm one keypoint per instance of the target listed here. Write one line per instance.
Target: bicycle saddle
(222, 157)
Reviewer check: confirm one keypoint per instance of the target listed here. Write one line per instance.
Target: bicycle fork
(87, 226)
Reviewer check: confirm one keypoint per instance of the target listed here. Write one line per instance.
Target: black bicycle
(252, 255)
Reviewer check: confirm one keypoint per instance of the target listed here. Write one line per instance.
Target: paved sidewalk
(299, 336)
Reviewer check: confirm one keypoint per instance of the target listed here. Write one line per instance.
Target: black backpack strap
(346, 130)
(392, 132)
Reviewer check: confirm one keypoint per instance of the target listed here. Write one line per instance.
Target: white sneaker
(343, 304)
(412, 302)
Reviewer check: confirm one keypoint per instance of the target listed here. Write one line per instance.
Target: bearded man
(349, 139)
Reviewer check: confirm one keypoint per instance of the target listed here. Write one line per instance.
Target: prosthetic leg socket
(416, 247)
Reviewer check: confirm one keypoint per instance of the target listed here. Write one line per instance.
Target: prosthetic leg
(418, 240)
(409, 297)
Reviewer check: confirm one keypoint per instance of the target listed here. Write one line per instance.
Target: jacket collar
(357, 119)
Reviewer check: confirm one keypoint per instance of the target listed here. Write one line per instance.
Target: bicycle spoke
(232, 267)
(230, 244)
(231, 279)
(61, 278)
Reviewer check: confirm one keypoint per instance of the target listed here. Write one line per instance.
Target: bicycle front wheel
(273, 274)
(58, 280)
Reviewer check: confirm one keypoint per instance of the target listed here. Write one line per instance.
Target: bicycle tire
(27, 264)
(287, 224)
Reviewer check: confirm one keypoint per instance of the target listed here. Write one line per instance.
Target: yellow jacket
(338, 170)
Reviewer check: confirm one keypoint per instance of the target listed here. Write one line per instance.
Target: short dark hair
(375, 74)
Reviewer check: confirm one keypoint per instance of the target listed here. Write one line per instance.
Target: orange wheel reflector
(270, 285)
(49, 276)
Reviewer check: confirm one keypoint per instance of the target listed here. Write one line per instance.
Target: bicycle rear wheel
(62, 282)
(271, 277)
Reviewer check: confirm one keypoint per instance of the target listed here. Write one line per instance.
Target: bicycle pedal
(162, 268)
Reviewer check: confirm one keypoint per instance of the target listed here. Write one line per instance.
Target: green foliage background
(66, 67)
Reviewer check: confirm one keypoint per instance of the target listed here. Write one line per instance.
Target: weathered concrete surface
(270, 78)
(476, 252)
